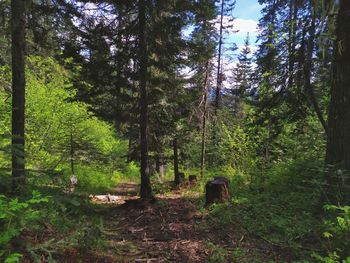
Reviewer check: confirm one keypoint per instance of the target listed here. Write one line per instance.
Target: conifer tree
(145, 190)
(338, 139)
(18, 18)
(242, 75)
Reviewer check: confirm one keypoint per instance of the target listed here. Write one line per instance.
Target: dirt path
(172, 230)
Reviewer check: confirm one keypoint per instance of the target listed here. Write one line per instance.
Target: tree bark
(71, 152)
(176, 163)
(307, 75)
(291, 45)
(18, 93)
(160, 164)
(338, 135)
(219, 77)
(204, 116)
(145, 190)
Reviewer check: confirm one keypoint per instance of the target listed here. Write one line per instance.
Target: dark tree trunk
(129, 158)
(204, 116)
(145, 190)
(71, 153)
(291, 45)
(219, 77)
(307, 75)
(157, 163)
(18, 92)
(160, 164)
(338, 133)
(176, 163)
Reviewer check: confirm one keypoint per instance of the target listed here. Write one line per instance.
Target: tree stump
(224, 179)
(192, 179)
(181, 177)
(217, 190)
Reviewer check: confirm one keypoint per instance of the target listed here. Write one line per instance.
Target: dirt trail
(171, 230)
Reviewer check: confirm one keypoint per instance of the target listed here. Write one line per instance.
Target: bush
(336, 234)
(17, 216)
(94, 179)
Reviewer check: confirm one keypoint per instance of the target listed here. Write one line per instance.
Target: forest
(165, 131)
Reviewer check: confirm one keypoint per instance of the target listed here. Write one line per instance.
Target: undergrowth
(43, 226)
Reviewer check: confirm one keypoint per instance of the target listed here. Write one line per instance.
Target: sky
(247, 15)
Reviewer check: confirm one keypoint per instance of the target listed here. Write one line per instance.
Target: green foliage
(238, 254)
(286, 203)
(218, 254)
(337, 234)
(13, 258)
(58, 125)
(284, 207)
(15, 217)
(233, 147)
(67, 222)
(221, 214)
(57, 122)
(94, 179)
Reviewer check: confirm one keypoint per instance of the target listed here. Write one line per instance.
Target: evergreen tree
(18, 19)
(203, 45)
(146, 190)
(338, 139)
(243, 79)
(286, 90)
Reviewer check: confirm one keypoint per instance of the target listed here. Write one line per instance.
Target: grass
(281, 212)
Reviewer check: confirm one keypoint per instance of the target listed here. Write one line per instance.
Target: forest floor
(173, 228)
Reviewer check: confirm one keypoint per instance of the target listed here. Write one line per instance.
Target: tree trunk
(204, 116)
(71, 152)
(157, 160)
(291, 42)
(160, 164)
(219, 77)
(18, 93)
(145, 190)
(307, 74)
(338, 133)
(176, 163)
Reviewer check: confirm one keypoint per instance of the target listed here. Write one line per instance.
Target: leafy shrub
(15, 217)
(94, 179)
(58, 123)
(337, 235)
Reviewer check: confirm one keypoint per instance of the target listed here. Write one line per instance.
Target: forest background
(110, 88)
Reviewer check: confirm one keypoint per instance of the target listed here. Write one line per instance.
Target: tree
(218, 74)
(146, 190)
(204, 116)
(18, 91)
(242, 75)
(291, 79)
(338, 139)
(203, 49)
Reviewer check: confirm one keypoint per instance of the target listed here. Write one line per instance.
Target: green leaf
(327, 235)
(74, 202)
(13, 258)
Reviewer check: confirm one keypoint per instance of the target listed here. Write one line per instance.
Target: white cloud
(238, 26)
(245, 25)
